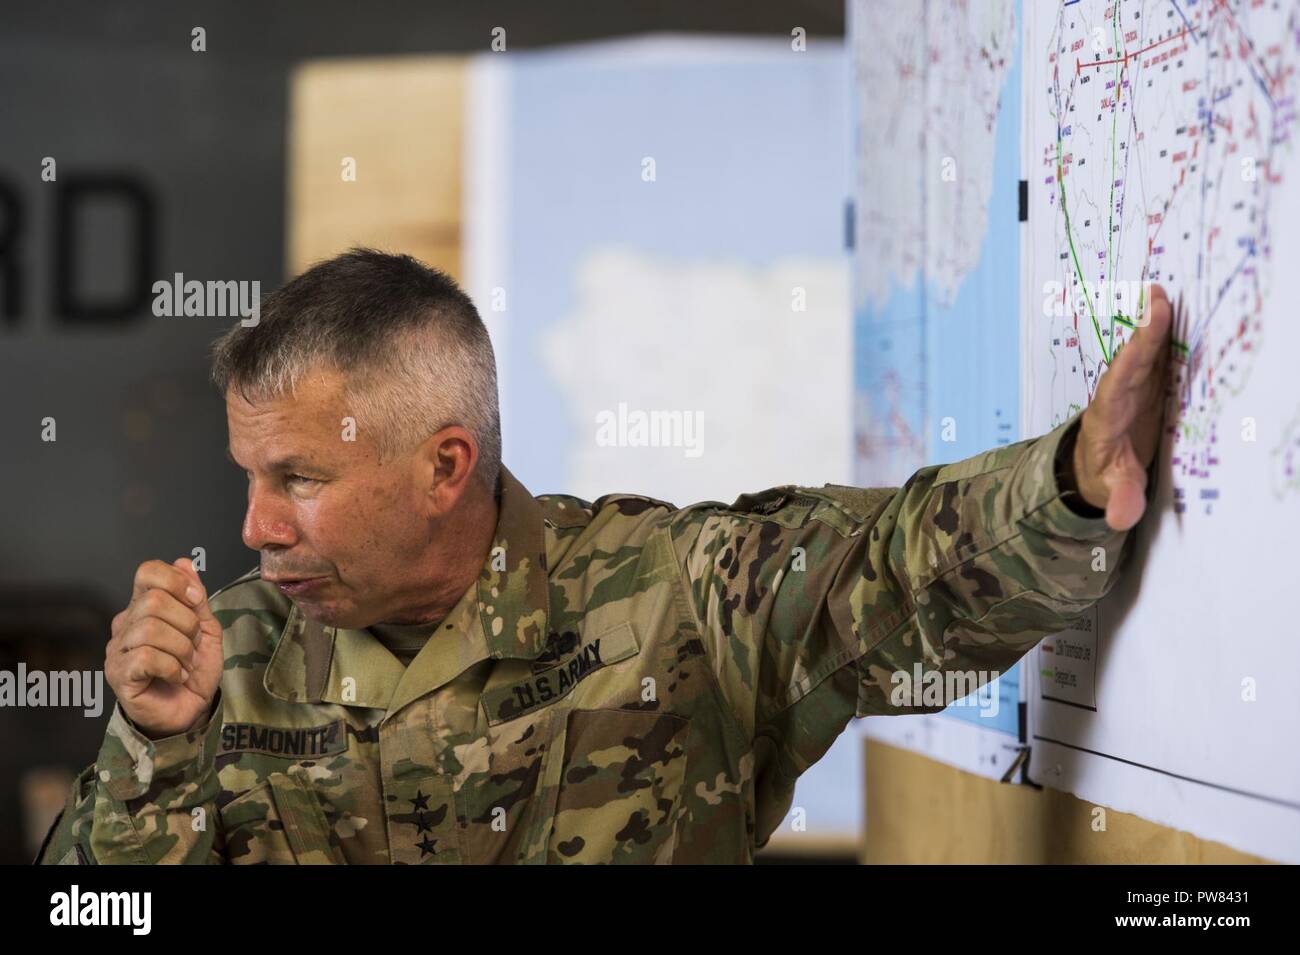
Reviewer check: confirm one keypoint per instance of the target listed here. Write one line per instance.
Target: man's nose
(268, 521)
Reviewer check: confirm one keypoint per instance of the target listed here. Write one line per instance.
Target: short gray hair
(413, 350)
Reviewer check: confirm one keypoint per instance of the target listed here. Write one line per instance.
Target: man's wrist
(155, 736)
(1067, 481)
(129, 762)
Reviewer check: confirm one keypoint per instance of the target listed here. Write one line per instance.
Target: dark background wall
(170, 161)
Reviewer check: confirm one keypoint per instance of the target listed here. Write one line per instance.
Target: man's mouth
(295, 586)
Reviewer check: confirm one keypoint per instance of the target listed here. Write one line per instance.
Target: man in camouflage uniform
(617, 681)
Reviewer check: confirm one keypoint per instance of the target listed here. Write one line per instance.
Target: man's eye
(301, 479)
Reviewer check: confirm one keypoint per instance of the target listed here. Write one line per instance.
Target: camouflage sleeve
(811, 600)
(143, 801)
(68, 841)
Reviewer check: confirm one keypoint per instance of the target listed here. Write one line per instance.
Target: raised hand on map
(1120, 430)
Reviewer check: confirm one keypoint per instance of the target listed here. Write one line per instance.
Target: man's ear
(450, 456)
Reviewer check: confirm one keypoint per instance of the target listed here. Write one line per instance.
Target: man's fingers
(1150, 342)
(1156, 291)
(152, 632)
(144, 664)
(1127, 501)
(199, 593)
(165, 607)
(154, 574)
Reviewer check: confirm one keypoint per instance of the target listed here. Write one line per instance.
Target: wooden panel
(402, 120)
(922, 811)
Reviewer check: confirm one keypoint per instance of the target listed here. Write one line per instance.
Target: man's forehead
(286, 429)
(317, 388)
(313, 406)
(280, 462)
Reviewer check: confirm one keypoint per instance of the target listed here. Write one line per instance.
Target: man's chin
(329, 614)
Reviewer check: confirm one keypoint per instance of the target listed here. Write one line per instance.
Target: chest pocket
(619, 794)
(568, 782)
(509, 780)
(618, 775)
(506, 791)
(278, 822)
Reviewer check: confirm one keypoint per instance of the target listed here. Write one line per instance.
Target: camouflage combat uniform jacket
(626, 682)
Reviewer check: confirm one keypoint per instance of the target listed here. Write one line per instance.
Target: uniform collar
(503, 615)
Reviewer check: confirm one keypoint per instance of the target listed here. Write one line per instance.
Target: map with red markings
(1164, 133)
(1159, 146)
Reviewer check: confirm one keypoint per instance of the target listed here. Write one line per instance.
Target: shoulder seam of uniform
(682, 595)
(785, 496)
(623, 495)
(817, 497)
(577, 512)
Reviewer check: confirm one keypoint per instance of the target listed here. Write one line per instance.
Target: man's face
(339, 533)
